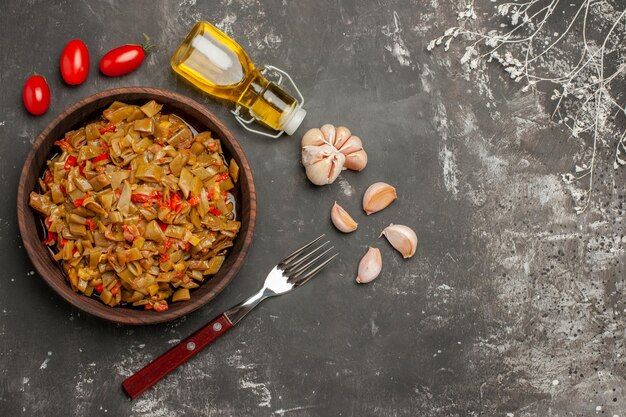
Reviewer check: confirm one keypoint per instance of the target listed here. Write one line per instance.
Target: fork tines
(299, 266)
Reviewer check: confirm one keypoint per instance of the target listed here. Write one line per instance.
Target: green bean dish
(138, 208)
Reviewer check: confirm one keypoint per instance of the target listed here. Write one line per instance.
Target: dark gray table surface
(513, 305)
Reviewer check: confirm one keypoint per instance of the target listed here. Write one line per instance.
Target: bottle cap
(295, 121)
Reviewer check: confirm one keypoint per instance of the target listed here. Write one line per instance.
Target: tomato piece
(160, 306)
(122, 60)
(175, 201)
(215, 211)
(194, 200)
(101, 157)
(139, 198)
(91, 224)
(163, 226)
(79, 202)
(63, 144)
(99, 288)
(116, 288)
(36, 95)
(162, 204)
(222, 177)
(168, 244)
(48, 177)
(52, 238)
(75, 62)
(71, 161)
(108, 128)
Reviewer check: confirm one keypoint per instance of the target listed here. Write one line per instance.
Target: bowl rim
(34, 247)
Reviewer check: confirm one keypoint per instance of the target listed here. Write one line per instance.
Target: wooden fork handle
(176, 356)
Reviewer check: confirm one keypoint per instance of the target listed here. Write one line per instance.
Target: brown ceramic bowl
(89, 109)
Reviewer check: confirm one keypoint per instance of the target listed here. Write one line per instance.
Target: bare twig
(584, 88)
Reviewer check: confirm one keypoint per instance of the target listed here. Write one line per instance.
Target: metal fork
(290, 273)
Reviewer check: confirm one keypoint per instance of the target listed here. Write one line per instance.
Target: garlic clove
(350, 145)
(313, 154)
(313, 137)
(322, 170)
(378, 196)
(328, 131)
(342, 134)
(402, 238)
(337, 165)
(356, 161)
(342, 220)
(318, 173)
(356, 157)
(370, 266)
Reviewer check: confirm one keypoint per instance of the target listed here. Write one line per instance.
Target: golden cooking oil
(216, 64)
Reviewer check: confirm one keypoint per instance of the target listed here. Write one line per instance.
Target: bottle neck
(267, 102)
(255, 89)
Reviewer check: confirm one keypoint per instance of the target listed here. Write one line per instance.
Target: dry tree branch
(585, 101)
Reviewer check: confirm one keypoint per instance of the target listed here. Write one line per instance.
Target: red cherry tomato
(75, 62)
(122, 60)
(36, 95)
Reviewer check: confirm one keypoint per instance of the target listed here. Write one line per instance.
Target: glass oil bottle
(217, 65)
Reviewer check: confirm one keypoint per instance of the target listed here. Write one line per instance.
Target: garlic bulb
(402, 238)
(342, 220)
(328, 150)
(370, 266)
(378, 196)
